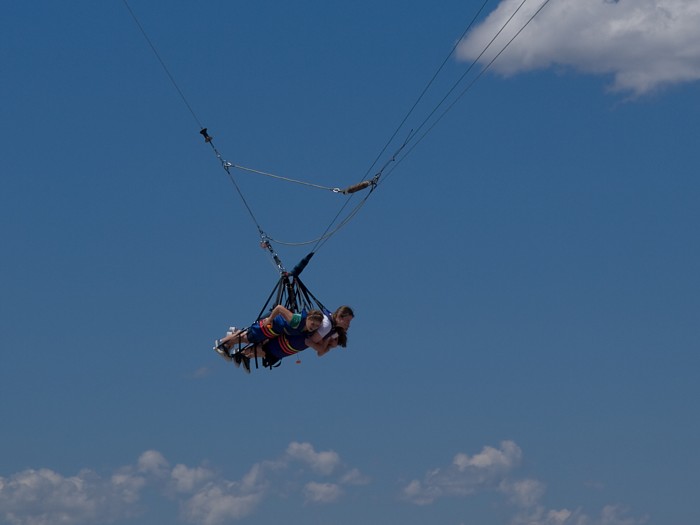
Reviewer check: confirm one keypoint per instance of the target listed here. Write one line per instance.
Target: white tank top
(326, 326)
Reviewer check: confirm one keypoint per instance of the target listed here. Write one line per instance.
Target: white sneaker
(231, 330)
(220, 349)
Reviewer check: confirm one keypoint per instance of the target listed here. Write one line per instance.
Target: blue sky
(525, 280)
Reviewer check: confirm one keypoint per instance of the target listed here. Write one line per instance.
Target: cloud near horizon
(644, 44)
(45, 497)
(205, 497)
(494, 470)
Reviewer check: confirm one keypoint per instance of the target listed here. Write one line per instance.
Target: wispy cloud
(643, 44)
(45, 497)
(466, 475)
(321, 462)
(609, 515)
(204, 496)
(494, 470)
(322, 492)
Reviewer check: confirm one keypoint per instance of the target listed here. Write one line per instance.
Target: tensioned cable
(414, 133)
(426, 88)
(224, 164)
(468, 70)
(471, 84)
(162, 62)
(327, 233)
(330, 232)
(194, 115)
(286, 179)
(227, 166)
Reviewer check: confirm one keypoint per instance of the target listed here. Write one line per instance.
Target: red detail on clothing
(267, 330)
(286, 346)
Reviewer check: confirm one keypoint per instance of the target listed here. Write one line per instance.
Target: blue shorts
(258, 332)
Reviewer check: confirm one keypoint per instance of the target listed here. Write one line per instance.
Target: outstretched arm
(279, 310)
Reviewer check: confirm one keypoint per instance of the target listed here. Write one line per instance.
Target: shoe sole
(219, 349)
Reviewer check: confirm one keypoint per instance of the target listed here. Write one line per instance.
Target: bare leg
(254, 351)
(237, 337)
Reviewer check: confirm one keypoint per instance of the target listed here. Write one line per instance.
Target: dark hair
(342, 336)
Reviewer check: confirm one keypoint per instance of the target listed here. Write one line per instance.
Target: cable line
(475, 79)
(427, 87)
(460, 80)
(287, 179)
(162, 63)
(414, 133)
(227, 168)
(265, 239)
(413, 138)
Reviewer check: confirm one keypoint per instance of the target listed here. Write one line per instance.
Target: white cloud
(616, 515)
(494, 470)
(45, 497)
(558, 516)
(466, 474)
(152, 462)
(186, 479)
(506, 458)
(523, 493)
(256, 476)
(211, 500)
(205, 497)
(354, 477)
(218, 503)
(127, 486)
(321, 462)
(543, 516)
(609, 515)
(321, 492)
(643, 44)
(417, 493)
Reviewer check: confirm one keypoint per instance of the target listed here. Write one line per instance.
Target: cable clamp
(204, 134)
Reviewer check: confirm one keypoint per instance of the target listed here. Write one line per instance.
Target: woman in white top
(333, 329)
